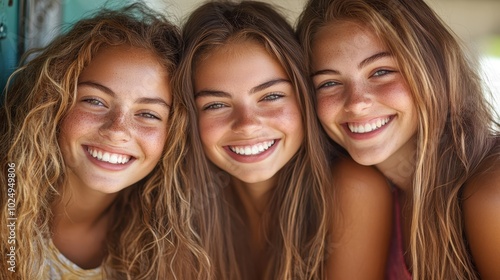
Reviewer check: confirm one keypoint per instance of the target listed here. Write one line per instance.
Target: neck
(400, 167)
(80, 224)
(82, 207)
(254, 196)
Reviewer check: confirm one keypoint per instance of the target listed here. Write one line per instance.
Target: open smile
(108, 157)
(369, 126)
(252, 150)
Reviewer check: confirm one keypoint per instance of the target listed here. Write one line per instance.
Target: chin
(366, 160)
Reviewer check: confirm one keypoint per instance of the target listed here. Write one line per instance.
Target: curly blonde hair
(152, 237)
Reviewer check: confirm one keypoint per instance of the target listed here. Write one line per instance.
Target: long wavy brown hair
(151, 236)
(457, 128)
(297, 213)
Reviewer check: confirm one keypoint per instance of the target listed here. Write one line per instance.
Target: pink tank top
(396, 266)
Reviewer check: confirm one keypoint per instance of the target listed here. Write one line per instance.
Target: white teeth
(369, 127)
(108, 157)
(252, 150)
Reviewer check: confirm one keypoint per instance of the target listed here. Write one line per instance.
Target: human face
(364, 102)
(249, 119)
(115, 134)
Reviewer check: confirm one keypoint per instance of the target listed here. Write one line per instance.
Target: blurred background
(26, 24)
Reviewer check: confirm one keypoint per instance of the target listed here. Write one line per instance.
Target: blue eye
(273, 96)
(93, 101)
(382, 72)
(327, 84)
(213, 106)
(149, 116)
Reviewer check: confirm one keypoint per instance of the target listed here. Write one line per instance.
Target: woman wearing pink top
(395, 90)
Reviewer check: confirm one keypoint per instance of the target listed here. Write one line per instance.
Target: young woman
(265, 194)
(396, 91)
(93, 144)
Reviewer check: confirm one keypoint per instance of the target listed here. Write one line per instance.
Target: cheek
(208, 130)
(153, 138)
(295, 124)
(75, 125)
(328, 107)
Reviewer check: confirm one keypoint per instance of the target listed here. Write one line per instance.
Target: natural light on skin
(115, 133)
(364, 103)
(249, 119)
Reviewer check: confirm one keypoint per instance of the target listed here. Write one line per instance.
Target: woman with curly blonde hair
(267, 205)
(94, 144)
(397, 91)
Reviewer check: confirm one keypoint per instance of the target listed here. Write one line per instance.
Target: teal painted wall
(72, 11)
(8, 39)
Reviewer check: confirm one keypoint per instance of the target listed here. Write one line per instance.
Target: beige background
(476, 22)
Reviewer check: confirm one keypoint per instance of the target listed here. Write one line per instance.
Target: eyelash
(327, 84)
(93, 101)
(213, 106)
(273, 96)
(149, 116)
(382, 72)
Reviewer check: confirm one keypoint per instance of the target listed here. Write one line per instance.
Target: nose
(116, 127)
(358, 98)
(245, 120)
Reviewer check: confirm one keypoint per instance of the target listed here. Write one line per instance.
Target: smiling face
(364, 102)
(115, 134)
(249, 119)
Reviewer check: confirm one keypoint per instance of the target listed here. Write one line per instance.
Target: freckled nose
(357, 99)
(245, 120)
(116, 128)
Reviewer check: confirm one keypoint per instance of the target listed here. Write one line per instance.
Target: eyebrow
(217, 93)
(372, 58)
(142, 100)
(362, 64)
(268, 85)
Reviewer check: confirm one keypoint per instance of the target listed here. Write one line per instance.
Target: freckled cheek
(153, 138)
(211, 130)
(77, 123)
(328, 108)
(287, 119)
(395, 92)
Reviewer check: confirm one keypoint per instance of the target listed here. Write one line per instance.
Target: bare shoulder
(483, 189)
(351, 176)
(362, 222)
(481, 209)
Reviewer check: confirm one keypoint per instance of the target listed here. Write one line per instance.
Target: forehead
(340, 31)
(241, 62)
(345, 39)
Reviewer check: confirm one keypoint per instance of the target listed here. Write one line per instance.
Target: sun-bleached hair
(457, 128)
(296, 218)
(150, 236)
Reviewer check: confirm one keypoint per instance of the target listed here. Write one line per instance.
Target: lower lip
(252, 158)
(366, 135)
(108, 165)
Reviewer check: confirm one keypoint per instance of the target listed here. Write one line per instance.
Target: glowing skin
(249, 119)
(364, 103)
(115, 134)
